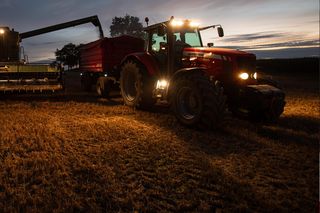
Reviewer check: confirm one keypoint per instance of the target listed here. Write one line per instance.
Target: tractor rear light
(244, 76)
(162, 84)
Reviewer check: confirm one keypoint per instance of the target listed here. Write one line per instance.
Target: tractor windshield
(190, 37)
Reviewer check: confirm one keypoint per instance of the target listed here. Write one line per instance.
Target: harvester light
(1, 31)
(244, 76)
(162, 84)
(194, 24)
(255, 75)
(176, 23)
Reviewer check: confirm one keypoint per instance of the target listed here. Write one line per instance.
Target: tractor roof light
(179, 23)
(176, 23)
(194, 24)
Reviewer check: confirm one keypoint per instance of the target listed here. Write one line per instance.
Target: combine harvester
(16, 75)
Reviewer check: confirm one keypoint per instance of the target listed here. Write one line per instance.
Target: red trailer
(100, 61)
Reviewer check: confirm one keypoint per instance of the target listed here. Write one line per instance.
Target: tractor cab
(167, 40)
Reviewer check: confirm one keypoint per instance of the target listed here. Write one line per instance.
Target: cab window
(158, 43)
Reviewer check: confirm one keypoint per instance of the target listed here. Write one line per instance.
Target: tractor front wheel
(271, 114)
(197, 102)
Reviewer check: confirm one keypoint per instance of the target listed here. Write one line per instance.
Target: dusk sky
(269, 28)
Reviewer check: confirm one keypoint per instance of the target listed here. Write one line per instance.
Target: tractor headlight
(162, 84)
(255, 75)
(1, 31)
(244, 76)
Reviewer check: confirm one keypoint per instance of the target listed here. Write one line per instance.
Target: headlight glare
(244, 76)
(162, 84)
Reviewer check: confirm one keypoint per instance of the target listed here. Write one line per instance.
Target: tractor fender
(185, 71)
(178, 74)
(145, 59)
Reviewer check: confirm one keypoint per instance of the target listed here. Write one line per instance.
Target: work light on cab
(176, 23)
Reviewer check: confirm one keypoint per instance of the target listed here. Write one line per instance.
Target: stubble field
(76, 152)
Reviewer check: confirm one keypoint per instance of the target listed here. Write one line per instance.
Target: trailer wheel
(104, 86)
(197, 102)
(136, 88)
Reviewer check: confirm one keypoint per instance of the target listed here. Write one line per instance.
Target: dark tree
(127, 25)
(68, 55)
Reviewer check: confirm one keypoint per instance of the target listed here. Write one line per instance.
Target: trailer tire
(198, 102)
(104, 86)
(136, 86)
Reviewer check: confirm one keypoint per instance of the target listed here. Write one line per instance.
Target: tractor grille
(245, 63)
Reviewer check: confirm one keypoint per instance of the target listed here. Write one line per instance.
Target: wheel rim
(130, 86)
(188, 103)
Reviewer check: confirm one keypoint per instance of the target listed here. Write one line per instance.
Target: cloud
(279, 45)
(288, 53)
(253, 36)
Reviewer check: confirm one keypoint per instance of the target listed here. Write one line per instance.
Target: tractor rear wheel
(197, 102)
(136, 88)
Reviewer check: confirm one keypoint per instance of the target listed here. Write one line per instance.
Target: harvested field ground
(76, 152)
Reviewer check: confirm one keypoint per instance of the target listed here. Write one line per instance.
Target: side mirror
(210, 44)
(220, 31)
(161, 31)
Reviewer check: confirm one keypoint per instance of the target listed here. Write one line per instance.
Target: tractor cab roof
(155, 26)
(175, 24)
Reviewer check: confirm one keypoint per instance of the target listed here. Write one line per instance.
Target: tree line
(69, 54)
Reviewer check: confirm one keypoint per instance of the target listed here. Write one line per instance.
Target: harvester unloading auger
(17, 75)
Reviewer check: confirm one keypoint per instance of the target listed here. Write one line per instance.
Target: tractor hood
(206, 51)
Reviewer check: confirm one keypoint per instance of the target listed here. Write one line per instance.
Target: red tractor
(195, 80)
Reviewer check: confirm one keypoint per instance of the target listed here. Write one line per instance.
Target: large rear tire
(197, 102)
(136, 86)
